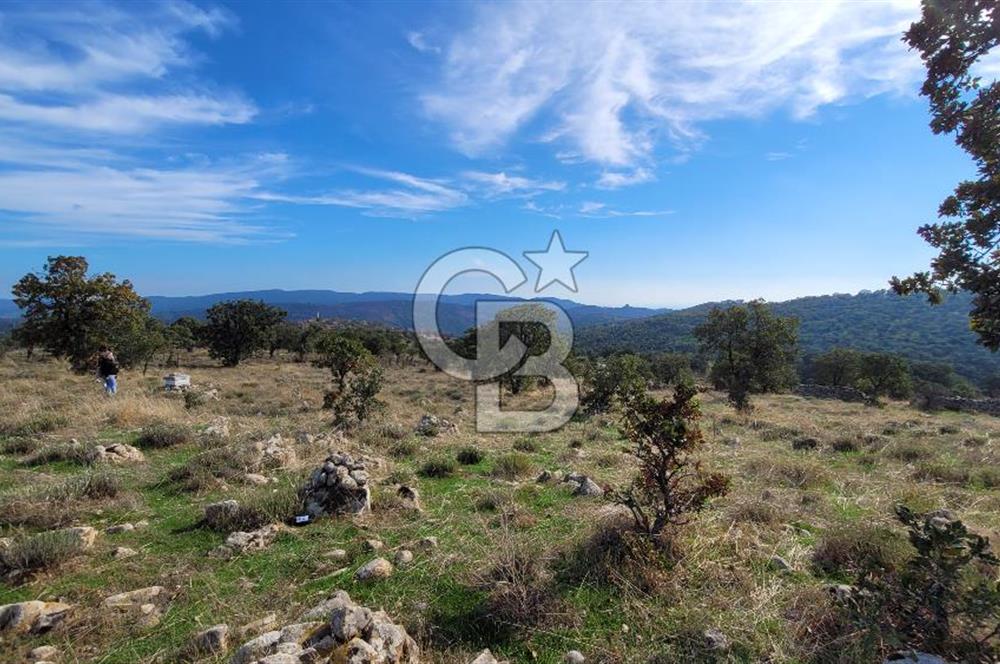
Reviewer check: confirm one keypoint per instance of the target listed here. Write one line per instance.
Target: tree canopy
(953, 38)
(237, 329)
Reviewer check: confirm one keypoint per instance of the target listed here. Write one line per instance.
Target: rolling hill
(869, 321)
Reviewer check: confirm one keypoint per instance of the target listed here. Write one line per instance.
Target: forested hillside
(870, 321)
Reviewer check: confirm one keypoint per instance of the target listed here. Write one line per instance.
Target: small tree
(357, 377)
(671, 484)
(883, 374)
(186, 332)
(754, 350)
(613, 379)
(283, 337)
(839, 367)
(237, 329)
(670, 369)
(71, 314)
(137, 344)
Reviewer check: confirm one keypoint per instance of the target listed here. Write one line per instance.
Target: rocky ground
(155, 526)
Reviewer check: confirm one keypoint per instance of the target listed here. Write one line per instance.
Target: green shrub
(164, 435)
(404, 448)
(470, 455)
(525, 445)
(68, 452)
(442, 467)
(847, 551)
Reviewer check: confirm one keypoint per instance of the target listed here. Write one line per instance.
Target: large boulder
(337, 630)
(339, 486)
(581, 485)
(32, 616)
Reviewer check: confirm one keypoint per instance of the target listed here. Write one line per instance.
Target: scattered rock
(115, 454)
(716, 640)
(255, 540)
(258, 626)
(44, 653)
(339, 486)
(255, 479)
(219, 515)
(403, 557)
(543, 477)
(914, 657)
(574, 657)
(122, 552)
(305, 438)
(374, 545)
(347, 633)
(84, 536)
(379, 568)
(218, 428)
(432, 425)
(486, 657)
(780, 564)
(409, 498)
(33, 616)
(732, 441)
(120, 528)
(212, 641)
(336, 554)
(140, 606)
(273, 453)
(581, 485)
(841, 592)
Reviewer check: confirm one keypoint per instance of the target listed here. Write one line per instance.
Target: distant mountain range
(456, 313)
(871, 321)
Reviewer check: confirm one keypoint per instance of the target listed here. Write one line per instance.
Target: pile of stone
(337, 630)
(219, 428)
(432, 425)
(339, 486)
(115, 454)
(581, 485)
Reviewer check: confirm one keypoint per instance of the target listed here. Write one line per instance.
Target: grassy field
(804, 505)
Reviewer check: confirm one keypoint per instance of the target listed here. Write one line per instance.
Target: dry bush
(260, 507)
(616, 554)
(67, 452)
(208, 469)
(848, 551)
(910, 451)
(525, 445)
(942, 472)
(512, 466)
(164, 434)
(820, 632)
(33, 424)
(45, 550)
(50, 505)
(20, 445)
(403, 449)
(846, 444)
(796, 473)
(755, 510)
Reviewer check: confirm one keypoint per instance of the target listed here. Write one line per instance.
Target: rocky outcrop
(581, 485)
(34, 617)
(273, 453)
(242, 542)
(116, 454)
(337, 630)
(339, 486)
(141, 607)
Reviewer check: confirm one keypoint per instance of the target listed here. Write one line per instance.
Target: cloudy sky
(698, 151)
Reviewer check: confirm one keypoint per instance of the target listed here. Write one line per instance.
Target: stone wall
(841, 393)
(988, 406)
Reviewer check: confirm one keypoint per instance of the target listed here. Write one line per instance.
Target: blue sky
(697, 151)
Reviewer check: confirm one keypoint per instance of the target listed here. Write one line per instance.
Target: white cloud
(502, 184)
(618, 179)
(595, 209)
(777, 156)
(194, 203)
(415, 197)
(615, 79)
(419, 41)
(88, 67)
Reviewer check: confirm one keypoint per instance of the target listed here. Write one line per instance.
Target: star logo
(556, 264)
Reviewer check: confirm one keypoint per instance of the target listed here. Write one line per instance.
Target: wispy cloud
(88, 67)
(595, 209)
(614, 80)
(502, 184)
(419, 41)
(777, 156)
(619, 179)
(410, 195)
